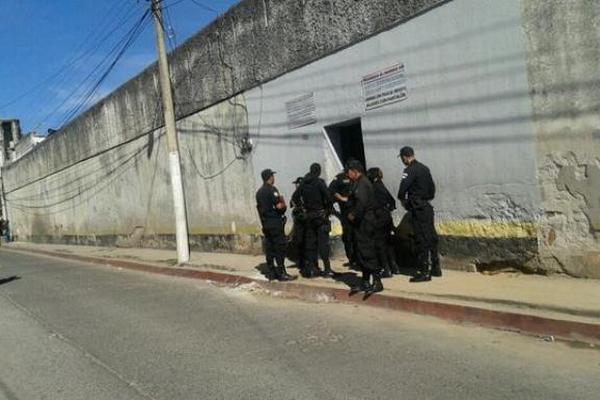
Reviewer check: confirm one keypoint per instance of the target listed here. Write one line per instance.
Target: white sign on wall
(301, 111)
(384, 87)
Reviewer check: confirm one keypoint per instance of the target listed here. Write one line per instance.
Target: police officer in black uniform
(364, 219)
(340, 189)
(299, 229)
(416, 191)
(318, 204)
(385, 224)
(271, 209)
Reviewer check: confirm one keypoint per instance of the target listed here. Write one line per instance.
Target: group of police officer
(365, 211)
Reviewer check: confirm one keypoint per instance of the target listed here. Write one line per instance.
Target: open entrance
(346, 139)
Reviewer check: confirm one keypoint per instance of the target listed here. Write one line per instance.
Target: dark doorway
(347, 140)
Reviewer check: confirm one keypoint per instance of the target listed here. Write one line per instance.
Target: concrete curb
(523, 323)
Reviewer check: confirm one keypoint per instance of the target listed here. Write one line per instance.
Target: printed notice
(384, 87)
(301, 111)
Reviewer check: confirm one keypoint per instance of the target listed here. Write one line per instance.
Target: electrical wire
(119, 49)
(204, 6)
(96, 38)
(68, 196)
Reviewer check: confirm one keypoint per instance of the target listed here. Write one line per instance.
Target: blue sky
(49, 47)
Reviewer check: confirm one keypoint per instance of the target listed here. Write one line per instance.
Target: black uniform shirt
(266, 199)
(314, 194)
(417, 183)
(296, 200)
(342, 186)
(383, 197)
(363, 197)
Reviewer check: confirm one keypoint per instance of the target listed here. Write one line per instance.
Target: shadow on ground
(9, 279)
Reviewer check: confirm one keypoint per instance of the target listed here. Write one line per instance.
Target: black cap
(315, 169)
(298, 180)
(373, 173)
(406, 151)
(266, 174)
(355, 165)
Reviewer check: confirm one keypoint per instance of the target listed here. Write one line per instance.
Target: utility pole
(181, 232)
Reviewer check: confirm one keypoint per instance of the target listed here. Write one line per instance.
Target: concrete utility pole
(183, 249)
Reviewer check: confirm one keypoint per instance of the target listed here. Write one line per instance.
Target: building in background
(26, 144)
(10, 134)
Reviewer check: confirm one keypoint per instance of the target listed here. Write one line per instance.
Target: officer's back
(417, 183)
(315, 195)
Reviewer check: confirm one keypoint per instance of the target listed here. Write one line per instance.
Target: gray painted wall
(470, 67)
(467, 114)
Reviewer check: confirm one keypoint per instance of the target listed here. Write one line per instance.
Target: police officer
(385, 224)
(271, 209)
(416, 191)
(298, 232)
(340, 189)
(318, 204)
(1, 230)
(364, 219)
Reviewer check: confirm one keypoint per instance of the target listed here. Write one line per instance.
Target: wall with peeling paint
(563, 57)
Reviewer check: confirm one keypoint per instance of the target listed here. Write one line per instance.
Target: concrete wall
(474, 113)
(563, 57)
(467, 114)
(84, 200)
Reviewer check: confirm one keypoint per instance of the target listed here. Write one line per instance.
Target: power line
(91, 52)
(78, 52)
(152, 128)
(204, 6)
(133, 34)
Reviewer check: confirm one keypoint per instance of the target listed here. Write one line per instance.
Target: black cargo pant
(297, 243)
(364, 245)
(274, 241)
(316, 238)
(348, 238)
(383, 238)
(426, 237)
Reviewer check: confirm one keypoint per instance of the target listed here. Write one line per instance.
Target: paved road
(76, 331)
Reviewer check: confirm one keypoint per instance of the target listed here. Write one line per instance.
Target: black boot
(283, 276)
(327, 271)
(306, 272)
(377, 286)
(362, 286)
(421, 276)
(435, 268)
(387, 272)
(316, 271)
(395, 268)
(311, 270)
(271, 273)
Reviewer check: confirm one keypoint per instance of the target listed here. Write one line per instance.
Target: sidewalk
(460, 296)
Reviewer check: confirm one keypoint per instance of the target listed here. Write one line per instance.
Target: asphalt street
(76, 331)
